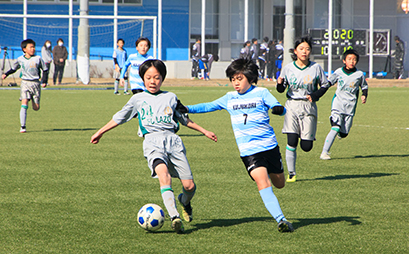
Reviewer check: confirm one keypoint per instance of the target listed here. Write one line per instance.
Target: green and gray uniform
(159, 122)
(346, 97)
(30, 75)
(301, 116)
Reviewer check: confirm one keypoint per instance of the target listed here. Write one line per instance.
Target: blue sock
(271, 203)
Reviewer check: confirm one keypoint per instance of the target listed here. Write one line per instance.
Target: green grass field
(61, 194)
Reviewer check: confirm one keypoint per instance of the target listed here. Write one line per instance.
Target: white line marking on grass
(380, 127)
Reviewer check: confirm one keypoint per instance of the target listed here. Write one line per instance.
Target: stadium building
(225, 23)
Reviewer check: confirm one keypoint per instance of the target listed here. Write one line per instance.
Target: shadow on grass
(298, 223)
(80, 129)
(371, 156)
(343, 177)
(227, 223)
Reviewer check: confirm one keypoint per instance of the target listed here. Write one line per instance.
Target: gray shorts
(342, 120)
(30, 90)
(301, 118)
(169, 148)
(117, 75)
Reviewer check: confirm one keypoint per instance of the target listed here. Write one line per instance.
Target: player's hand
(211, 135)
(363, 99)
(95, 138)
(117, 69)
(280, 80)
(44, 84)
(309, 97)
(122, 82)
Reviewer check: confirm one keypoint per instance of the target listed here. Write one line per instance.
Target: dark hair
(245, 44)
(216, 57)
(265, 39)
(157, 64)
(253, 40)
(60, 39)
(306, 39)
(26, 42)
(397, 38)
(143, 39)
(46, 43)
(120, 39)
(247, 67)
(351, 52)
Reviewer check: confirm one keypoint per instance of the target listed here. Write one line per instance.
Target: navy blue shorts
(270, 159)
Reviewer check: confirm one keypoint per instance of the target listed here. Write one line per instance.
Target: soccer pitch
(61, 194)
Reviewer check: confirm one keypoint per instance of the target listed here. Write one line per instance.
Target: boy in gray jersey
(164, 150)
(349, 79)
(30, 88)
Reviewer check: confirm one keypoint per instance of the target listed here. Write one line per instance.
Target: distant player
(119, 56)
(254, 50)
(349, 80)
(245, 51)
(262, 58)
(163, 149)
(302, 78)
(135, 60)
(248, 107)
(196, 54)
(30, 89)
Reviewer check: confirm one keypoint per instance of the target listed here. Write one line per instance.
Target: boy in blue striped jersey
(248, 107)
(135, 60)
(119, 56)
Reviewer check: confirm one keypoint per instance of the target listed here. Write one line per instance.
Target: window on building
(212, 19)
(237, 20)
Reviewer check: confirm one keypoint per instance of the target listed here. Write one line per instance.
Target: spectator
(46, 55)
(195, 58)
(399, 55)
(60, 54)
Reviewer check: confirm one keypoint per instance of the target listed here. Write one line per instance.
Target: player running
(248, 107)
(163, 149)
(345, 100)
(302, 78)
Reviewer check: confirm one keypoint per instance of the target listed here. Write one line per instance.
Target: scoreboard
(344, 39)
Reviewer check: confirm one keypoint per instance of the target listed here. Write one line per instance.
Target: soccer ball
(151, 217)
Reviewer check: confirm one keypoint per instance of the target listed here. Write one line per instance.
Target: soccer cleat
(126, 93)
(117, 93)
(187, 209)
(291, 178)
(285, 226)
(23, 129)
(325, 156)
(177, 225)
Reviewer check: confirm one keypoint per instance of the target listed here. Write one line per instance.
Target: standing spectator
(207, 64)
(279, 58)
(60, 54)
(254, 51)
(119, 56)
(245, 51)
(271, 61)
(399, 55)
(46, 55)
(262, 57)
(195, 58)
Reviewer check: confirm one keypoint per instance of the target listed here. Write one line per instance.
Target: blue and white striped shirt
(249, 118)
(135, 60)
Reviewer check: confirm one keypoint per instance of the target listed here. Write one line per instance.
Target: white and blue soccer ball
(151, 217)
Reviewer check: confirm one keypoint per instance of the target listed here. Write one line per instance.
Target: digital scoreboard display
(342, 40)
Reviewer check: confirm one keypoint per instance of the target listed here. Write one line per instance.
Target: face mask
(60, 44)
(48, 45)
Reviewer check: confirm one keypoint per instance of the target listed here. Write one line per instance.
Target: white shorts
(117, 75)
(342, 120)
(301, 118)
(30, 90)
(169, 148)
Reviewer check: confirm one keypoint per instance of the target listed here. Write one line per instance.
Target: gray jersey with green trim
(303, 81)
(155, 112)
(346, 96)
(30, 67)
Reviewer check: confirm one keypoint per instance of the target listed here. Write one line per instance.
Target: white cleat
(325, 156)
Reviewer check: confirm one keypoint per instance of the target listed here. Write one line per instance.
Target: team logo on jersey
(307, 80)
(168, 111)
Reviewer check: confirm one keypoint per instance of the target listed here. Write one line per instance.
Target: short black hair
(247, 67)
(350, 52)
(120, 39)
(158, 64)
(60, 39)
(26, 42)
(265, 39)
(306, 39)
(245, 44)
(253, 40)
(143, 39)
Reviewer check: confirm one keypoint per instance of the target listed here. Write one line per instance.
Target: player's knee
(292, 139)
(306, 145)
(343, 135)
(189, 186)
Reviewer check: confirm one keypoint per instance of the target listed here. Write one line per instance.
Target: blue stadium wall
(175, 27)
